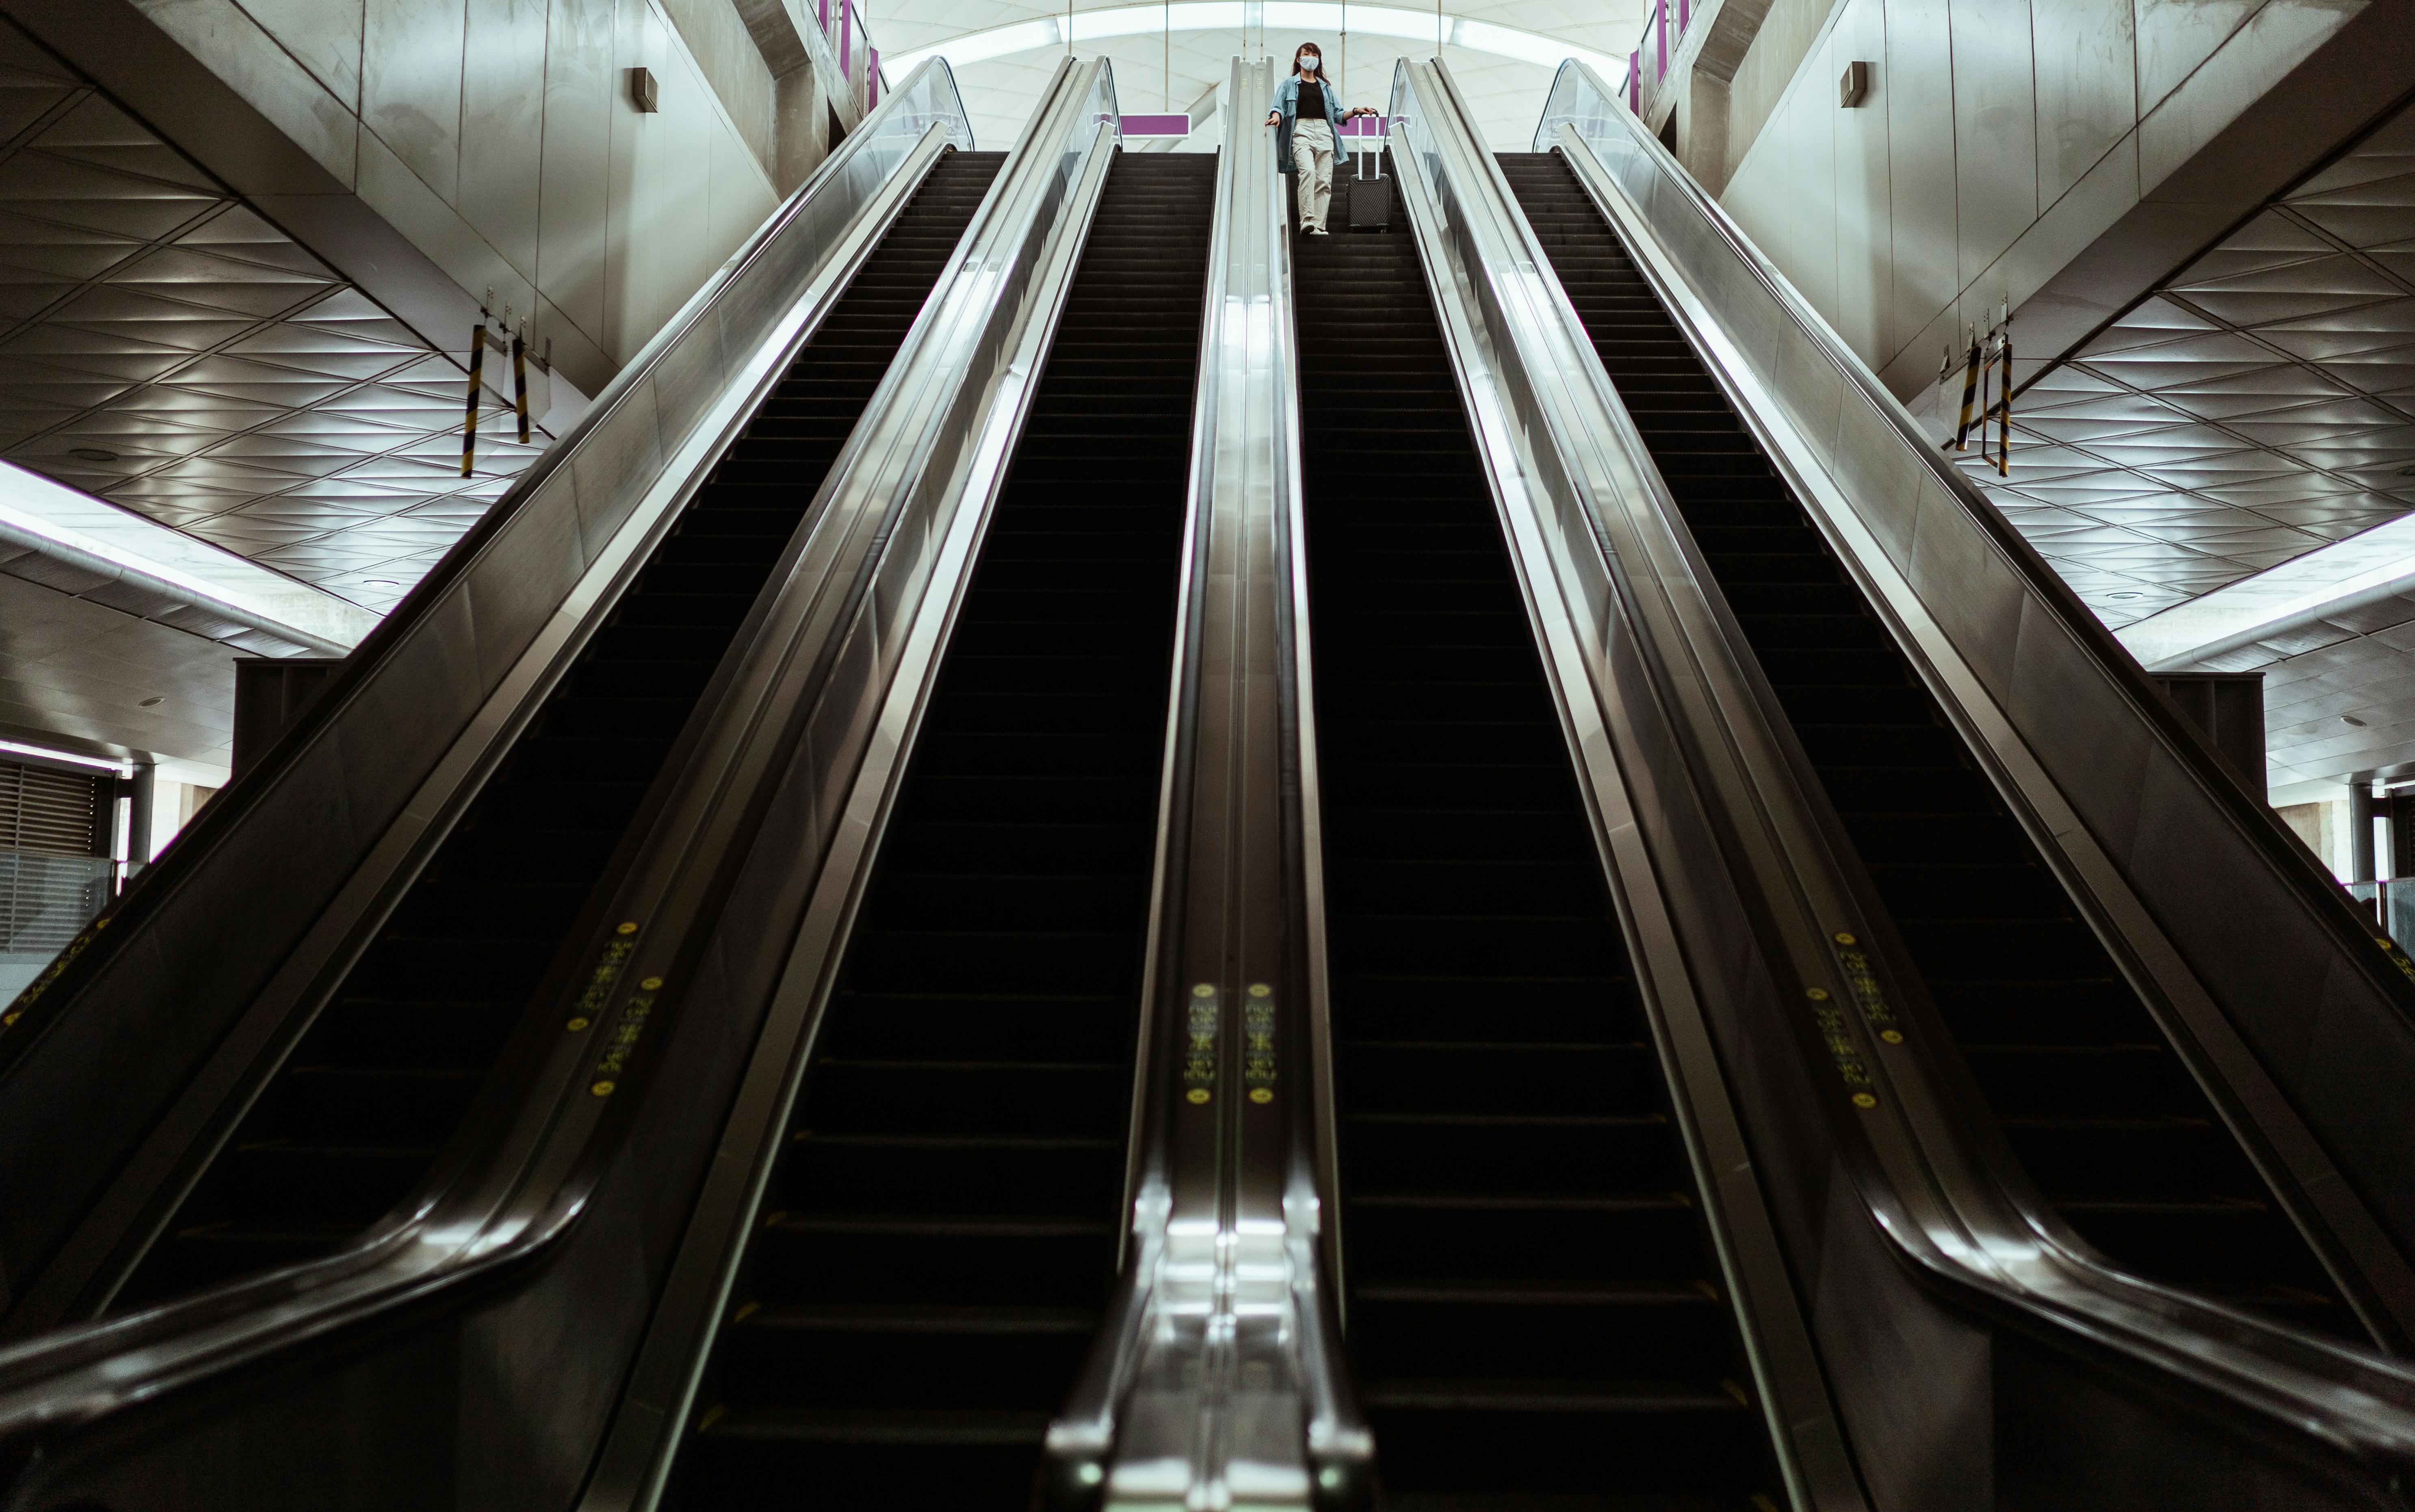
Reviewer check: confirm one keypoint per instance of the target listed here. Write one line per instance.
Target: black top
(1311, 100)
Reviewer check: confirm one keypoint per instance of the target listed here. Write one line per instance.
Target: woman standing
(1310, 113)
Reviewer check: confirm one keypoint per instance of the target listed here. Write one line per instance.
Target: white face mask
(1308, 62)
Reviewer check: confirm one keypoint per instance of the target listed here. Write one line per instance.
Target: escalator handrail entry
(934, 463)
(2278, 1374)
(2352, 1178)
(86, 1370)
(29, 1012)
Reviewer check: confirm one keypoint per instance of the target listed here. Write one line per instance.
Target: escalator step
(2117, 1136)
(384, 1079)
(1518, 1214)
(949, 1200)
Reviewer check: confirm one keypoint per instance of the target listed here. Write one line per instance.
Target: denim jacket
(1287, 102)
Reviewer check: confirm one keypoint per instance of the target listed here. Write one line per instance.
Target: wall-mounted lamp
(1853, 84)
(643, 92)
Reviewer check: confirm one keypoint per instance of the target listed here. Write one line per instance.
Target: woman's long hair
(1303, 48)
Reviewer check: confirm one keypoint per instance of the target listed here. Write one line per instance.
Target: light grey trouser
(1312, 158)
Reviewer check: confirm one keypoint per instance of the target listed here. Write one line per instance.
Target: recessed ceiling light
(151, 702)
(2125, 595)
(378, 582)
(92, 453)
(2352, 719)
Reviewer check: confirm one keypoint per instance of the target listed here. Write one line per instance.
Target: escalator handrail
(1984, 1237)
(930, 459)
(338, 809)
(1243, 498)
(515, 1195)
(2224, 919)
(1594, 653)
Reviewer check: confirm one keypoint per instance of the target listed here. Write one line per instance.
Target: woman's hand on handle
(1274, 117)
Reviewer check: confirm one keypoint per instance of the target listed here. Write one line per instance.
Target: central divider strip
(1218, 1377)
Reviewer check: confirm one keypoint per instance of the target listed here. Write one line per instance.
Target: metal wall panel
(741, 197)
(2087, 86)
(324, 36)
(411, 85)
(1922, 191)
(1864, 305)
(1811, 125)
(2176, 36)
(577, 175)
(1995, 130)
(502, 126)
(682, 177)
(637, 231)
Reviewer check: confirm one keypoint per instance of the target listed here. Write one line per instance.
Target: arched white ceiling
(1230, 16)
(1169, 53)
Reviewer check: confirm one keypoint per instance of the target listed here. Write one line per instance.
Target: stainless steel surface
(1563, 462)
(169, 350)
(907, 500)
(1956, 593)
(2252, 406)
(1218, 1377)
(492, 1204)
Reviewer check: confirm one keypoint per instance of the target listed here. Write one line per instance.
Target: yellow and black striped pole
(477, 375)
(520, 379)
(2003, 408)
(1971, 363)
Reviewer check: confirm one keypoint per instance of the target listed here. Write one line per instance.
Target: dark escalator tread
(1519, 1215)
(2087, 1089)
(400, 1053)
(946, 1222)
(769, 1457)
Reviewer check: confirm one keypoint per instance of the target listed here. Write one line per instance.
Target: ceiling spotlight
(2352, 719)
(2125, 595)
(151, 702)
(378, 582)
(92, 453)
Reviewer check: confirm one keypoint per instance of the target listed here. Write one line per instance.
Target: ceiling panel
(164, 346)
(2259, 405)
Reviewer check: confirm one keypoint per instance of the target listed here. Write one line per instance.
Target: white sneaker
(1316, 231)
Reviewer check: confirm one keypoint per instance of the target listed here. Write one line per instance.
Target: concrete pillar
(800, 117)
(1701, 116)
(143, 790)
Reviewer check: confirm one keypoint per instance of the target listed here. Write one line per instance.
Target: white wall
(1999, 140)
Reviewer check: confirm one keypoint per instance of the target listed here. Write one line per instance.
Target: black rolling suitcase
(1371, 196)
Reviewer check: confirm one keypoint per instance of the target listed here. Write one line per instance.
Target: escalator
(376, 1088)
(2086, 1088)
(1534, 1309)
(943, 1224)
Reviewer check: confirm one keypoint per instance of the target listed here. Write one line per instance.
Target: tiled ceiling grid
(2257, 405)
(164, 347)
